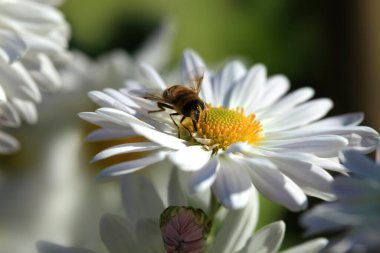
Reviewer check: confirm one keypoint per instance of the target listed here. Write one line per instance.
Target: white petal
(153, 79)
(176, 195)
(205, 177)
(350, 213)
(124, 149)
(103, 134)
(47, 247)
(120, 117)
(313, 246)
(364, 239)
(46, 44)
(114, 67)
(326, 163)
(232, 185)
(237, 227)
(8, 115)
(322, 146)
(275, 88)
(119, 97)
(190, 158)
(355, 188)
(116, 235)
(12, 47)
(8, 144)
(140, 199)
(312, 179)
(248, 89)
(50, 2)
(266, 240)
(149, 236)
(36, 22)
(225, 80)
(126, 120)
(26, 109)
(191, 62)
(360, 164)
(298, 116)
(361, 138)
(140, 127)
(349, 119)
(275, 185)
(289, 101)
(3, 95)
(104, 99)
(96, 119)
(238, 147)
(130, 166)
(321, 218)
(29, 12)
(13, 74)
(43, 72)
(163, 139)
(100, 98)
(135, 95)
(341, 131)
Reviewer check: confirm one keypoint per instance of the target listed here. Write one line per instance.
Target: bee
(183, 99)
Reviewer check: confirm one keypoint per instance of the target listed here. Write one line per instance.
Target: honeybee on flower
(255, 136)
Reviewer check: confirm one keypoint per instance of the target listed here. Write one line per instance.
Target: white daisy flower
(140, 230)
(355, 213)
(251, 136)
(33, 35)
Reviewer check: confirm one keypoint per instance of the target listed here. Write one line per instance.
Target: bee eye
(200, 105)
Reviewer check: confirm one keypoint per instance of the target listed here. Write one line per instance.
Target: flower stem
(214, 207)
(213, 210)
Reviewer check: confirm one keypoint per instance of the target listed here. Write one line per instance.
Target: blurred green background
(312, 42)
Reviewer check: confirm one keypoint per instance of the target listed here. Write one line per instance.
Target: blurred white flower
(140, 230)
(49, 202)
(51, 2)
(252, 135)
(83, 74)
(114, 68)
(269, 239)
(54, 197)
(33, 35)
(355, 213)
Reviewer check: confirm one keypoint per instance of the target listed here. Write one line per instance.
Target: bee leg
(171, 116)
(183, 118)
(195, 126)
(162, 107)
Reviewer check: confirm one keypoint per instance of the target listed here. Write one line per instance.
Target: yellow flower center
(223, 127)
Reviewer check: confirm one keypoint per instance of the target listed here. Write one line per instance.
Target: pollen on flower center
(223, 127)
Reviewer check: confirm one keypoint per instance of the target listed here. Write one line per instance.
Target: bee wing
(195, 78)
(151, 94)
(153, 97)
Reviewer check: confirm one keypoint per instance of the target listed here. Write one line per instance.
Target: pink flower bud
(184, 229)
